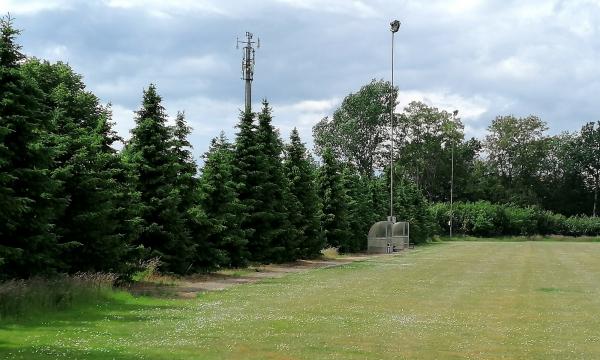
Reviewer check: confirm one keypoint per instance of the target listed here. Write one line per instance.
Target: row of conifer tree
(71, 202)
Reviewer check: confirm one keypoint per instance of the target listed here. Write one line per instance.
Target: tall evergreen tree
(85, 164)
(150, 153)
(187, 184)
(262, 189)
(335, 202)
(272, 217)
(306, 219)
(186, 168)
(225, 241)
(361, 208)
(245, 170)
(28, 244)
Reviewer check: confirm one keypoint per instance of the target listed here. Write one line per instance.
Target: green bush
(483, 218)
(411, 206)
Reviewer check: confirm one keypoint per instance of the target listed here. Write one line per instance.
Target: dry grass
(27, 298)
(330, 253)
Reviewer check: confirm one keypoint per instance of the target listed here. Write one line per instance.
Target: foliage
(262, 189)
(588, 158)
(301, 177)
(71, 202)
(155, 167)
(483, 218)
(28, 199)
(225, 242)
(335, 203)
(360, 208)
(358, 128)
(516, 148)
(87, 168)
(410, 205)
(426, 138)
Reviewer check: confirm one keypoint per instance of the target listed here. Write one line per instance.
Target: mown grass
(455, 300)
(562, 238)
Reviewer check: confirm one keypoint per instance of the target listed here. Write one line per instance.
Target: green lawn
(475, 300)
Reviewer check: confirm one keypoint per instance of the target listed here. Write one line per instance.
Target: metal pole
(248, 79)
(394, 26)
(452, 173)
(451, 187)
(248, 67)
(392, 137)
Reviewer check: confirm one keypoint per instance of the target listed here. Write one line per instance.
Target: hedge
(483, 218)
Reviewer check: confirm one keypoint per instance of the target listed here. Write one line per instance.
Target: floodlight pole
(248, 66)
(394, 26)
(452, 172)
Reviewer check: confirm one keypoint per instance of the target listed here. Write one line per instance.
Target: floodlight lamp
(394, 26)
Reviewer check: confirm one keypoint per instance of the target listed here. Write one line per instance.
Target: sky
(484, 58)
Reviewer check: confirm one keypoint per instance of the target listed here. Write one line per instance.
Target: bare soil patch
(191, 286)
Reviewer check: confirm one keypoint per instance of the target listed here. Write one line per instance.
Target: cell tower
(248, 65)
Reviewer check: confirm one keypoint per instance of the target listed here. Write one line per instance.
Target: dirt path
(190, 286)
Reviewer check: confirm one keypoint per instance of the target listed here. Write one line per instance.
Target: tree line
(70, 202)
(518, 162)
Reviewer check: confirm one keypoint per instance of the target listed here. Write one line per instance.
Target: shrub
(483, 218)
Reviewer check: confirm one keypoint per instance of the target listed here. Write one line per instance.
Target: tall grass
(26, 298)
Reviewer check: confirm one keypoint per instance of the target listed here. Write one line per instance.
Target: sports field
(456, 300)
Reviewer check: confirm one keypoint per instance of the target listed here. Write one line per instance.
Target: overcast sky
(484, 58)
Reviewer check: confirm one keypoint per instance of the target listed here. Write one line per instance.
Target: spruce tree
(85, 164)
(304, 206)
(245, 170)
(262, 189)
(272, 217)
(188, 187)
(361, 214)
(225, 241)
(335, 202)
(150, 154)
(186, 168)
(28, 244)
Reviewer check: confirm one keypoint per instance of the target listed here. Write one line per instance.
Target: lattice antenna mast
(248, 65)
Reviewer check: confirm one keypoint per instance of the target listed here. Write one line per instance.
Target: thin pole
(451, 187)
(392, 137)
(454, 113)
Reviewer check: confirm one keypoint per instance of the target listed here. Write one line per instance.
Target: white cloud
(302, 115)
(512, 67)
(206, 64)
(470, 108)
(30, 7)
(124, 120)
(56, 52)
(344, 7)
(163, 8)
(237, 9)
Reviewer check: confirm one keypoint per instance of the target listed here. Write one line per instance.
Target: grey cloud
(535, 57)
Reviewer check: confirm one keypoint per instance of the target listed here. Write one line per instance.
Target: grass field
(456, 300)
